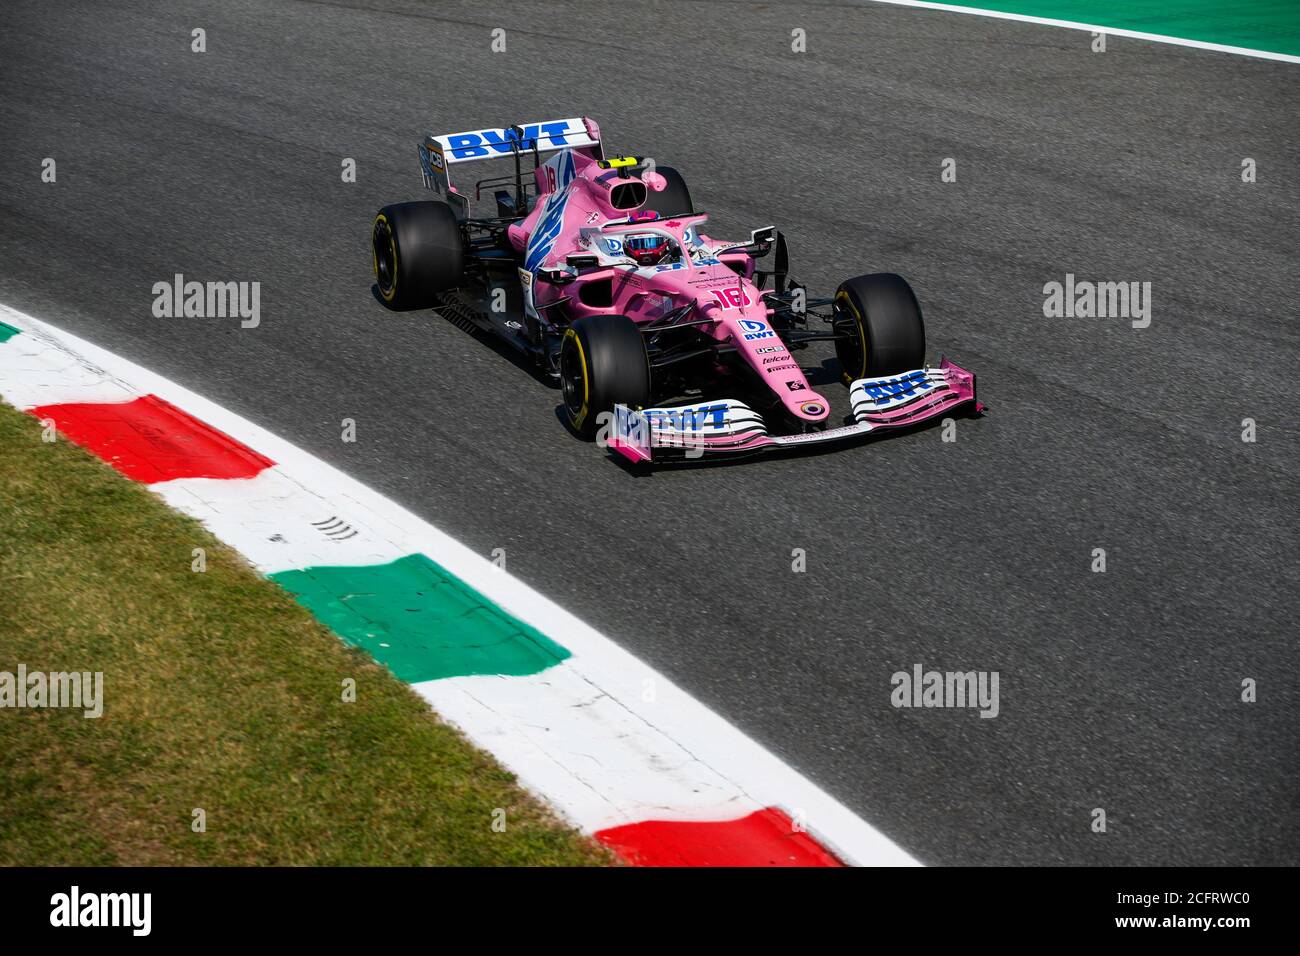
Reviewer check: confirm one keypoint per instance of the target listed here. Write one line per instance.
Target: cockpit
(652, 248)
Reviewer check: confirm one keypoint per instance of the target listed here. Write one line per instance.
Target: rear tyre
(602, 364)
(880, 320)
(675, 200)
(418, 252)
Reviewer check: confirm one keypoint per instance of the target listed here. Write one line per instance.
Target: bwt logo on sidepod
(753, 329)
(487, 142)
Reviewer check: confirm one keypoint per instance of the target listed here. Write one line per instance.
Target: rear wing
(439, 153)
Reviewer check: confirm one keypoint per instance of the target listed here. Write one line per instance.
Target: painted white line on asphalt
(1096, 28)
(659, 746)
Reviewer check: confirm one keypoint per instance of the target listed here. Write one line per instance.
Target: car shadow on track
(511, 355)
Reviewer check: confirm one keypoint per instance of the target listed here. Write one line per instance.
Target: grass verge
(220, 694)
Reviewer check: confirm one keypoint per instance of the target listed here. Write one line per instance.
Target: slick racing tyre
(418, 252)
(602, 364)
(675, 200)
(880, 324)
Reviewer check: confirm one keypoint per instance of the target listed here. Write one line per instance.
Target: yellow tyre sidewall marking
(392, 246)
(572, 336)
(843, 297)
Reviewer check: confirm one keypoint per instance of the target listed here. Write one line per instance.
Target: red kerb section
(150, 440)
(764, 838)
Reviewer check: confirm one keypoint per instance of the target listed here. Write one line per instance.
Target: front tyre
(417, 251)
(602, 364)
(880, 325)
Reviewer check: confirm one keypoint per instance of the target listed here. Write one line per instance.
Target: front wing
(728, 427)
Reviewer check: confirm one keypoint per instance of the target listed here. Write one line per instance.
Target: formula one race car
(599, 271)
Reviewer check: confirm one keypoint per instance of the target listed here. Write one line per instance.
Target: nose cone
(806, 405)
(772, 363)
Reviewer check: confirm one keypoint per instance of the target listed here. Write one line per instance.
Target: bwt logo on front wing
(75, 908)
(208, 300)
(882, 390)
(691, 419)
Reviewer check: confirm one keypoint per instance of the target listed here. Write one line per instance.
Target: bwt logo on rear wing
(437, 153)
(576, 133)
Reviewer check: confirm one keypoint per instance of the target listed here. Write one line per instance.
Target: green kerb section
(7, 332)
(1271, 25)
(420, 621)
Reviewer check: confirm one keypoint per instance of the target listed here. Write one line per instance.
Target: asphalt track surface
(1119, 690)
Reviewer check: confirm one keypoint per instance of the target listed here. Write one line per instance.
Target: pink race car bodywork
(587, 241)
(579, 211)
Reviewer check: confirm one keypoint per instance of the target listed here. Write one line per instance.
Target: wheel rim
(385, 253)
(573, 378)
(852, 354)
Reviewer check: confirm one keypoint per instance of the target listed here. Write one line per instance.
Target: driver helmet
(648, 249)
